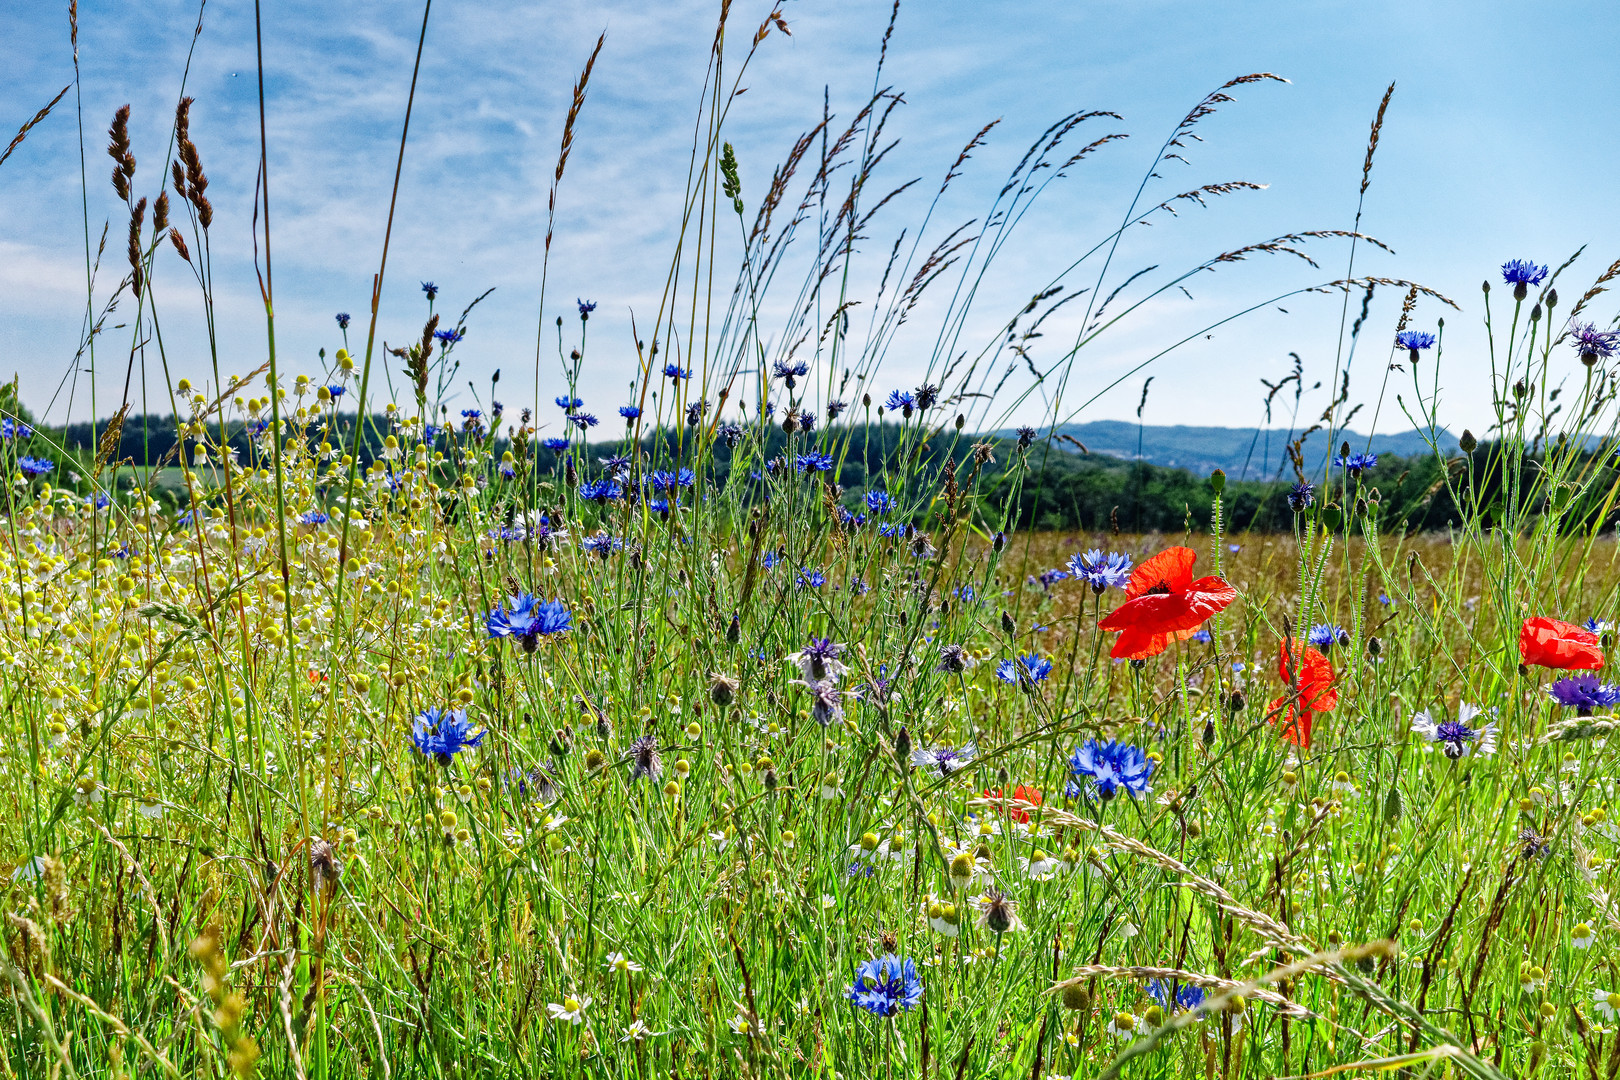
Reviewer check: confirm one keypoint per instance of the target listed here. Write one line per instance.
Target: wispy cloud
(490, 107)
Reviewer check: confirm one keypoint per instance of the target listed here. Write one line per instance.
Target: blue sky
(1498, 144)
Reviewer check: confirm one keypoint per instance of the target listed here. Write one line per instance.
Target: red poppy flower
(1163, 604)
(1311, 674)
(1023, 794)
(1549, 643)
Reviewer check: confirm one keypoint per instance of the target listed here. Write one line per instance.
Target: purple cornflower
(1301, 496)
(601, 545)
(879, 502)
(1101, 572)
(1594, 344)
(644, 759)
(788, 372)
(1584, 692)
(820, 661)
(944, 760)
(585, 308)
(343, 320)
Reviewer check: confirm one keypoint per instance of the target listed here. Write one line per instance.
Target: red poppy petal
(1137, 643)
(1171, 567)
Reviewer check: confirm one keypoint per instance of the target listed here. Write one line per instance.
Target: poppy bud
(769, 779)
(1467, 442)
(1217, 480)
(1002, 777)
(961, 421)
(866, 401)
(1393, 805)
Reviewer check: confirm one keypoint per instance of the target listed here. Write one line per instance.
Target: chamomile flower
(571, 1009)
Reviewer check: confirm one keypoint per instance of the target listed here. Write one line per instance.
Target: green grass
(229, 848)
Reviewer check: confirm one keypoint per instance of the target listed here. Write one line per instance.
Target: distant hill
(1201, 450)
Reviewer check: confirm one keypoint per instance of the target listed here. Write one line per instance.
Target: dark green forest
(1054, 484)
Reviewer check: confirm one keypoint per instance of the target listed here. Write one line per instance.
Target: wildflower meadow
(764, 720)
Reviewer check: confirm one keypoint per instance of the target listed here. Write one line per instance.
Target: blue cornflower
(1203, 637)
(585, 307)
(631, 413)
(659, 507)
(1521, 274)
(449, 337)
(567, 403)
(343, 320)
(1583, 693)
(807, 420)
(471, 418)
(1025, 671)
(527, 619)
(35, 466)
(1326, 635)
(1355, 464)
(730, 434)
(859, 869)
(615, 465)
(336, 391)
(769, 559)
(886, 985)
(430, 434)
(1594, 344)
(901, 400)
(1110, 765)
(1414, 340)
(1301, 496)
(788, 372)
(582, 420)
(879, 502)
(1049, 578)
(444, 733)
(14, 429)
(601, 545)
(1101, 571)
(675, 371)
(1174, 998)
(685, 477)
(314, 517)
(601, 491)
(1598, 626)
(814, 462)
(811, 579)
(834, 407)
(554, 443)
(431, 289)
